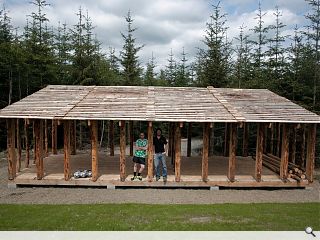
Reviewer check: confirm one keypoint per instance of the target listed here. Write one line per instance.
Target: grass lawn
(271, 216)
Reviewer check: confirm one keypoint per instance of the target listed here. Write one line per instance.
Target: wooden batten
(45, 128)
(18, 146)
(94, 149)
(205, 151)
(311, 146)
(11, 149)
(177, 144)
(189, 139)
(26, 133)
(232, 152)
(226, 139)
(73, 137)
(259, 151)
(111, 137)
(54, 137)
(67, 149)
(284, 152)
(245, 139)
(131, 137)
(122, 125)
(38, 130)
(150, 152)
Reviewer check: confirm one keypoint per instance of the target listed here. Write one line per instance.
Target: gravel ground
(148, 196)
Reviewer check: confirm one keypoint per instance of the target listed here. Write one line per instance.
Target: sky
(162, 25)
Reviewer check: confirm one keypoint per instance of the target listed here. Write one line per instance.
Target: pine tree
(182, 77)
(170, 70)
(150, 76)
(129, 55)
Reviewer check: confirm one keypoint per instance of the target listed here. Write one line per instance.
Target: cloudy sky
(162, 24)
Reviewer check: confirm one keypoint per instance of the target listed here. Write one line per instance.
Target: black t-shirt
(159, 144)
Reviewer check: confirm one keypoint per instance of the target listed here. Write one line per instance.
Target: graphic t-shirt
(141, 143)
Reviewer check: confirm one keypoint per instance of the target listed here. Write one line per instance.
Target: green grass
(276, 217)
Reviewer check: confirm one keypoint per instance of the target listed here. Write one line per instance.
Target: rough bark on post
(11, 148)
(170, 140)
(226, 140)
(311, 145)
(284, 153)
(189, 139)
(111, 137)
(54, 138)
(232, 152)
(18, 146)
(150, 152)
(38, 130)
(94, 149)
(46, 138)
(131, 137)
(73, 137)
(67, 149)
(205, 152)
(259, 151)
(122, 150)
(245, 140)
(27, 159)
(177, 144)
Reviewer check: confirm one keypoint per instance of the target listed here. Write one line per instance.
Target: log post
(226, 140)
(259, 151)
(278, 139)
(18, 146)
(211, 139)
(67, 149)
(284, 153)
(177, 145)
(170, 140)
(34, 143)
(303, 146)
(232, 151)
(173, 152)
(111, 137)
(311, 145)
(73, 137)
(150, 152)
(122, 150)
(94, 149)
(294, 145)
(205, 151)
(54, 138)
(27, 159)
(131, 137)
(46, 138)
(189, 139)
(38, 131)
(245, 140)
(11, 148)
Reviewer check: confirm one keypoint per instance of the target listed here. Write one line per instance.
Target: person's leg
(142, 166)
(164, 167)
(156, 166)
(134, 171)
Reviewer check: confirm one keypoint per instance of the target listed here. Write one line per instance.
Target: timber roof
(170, 104)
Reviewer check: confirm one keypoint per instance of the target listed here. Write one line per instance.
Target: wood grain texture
(205, 152)
(284, 152)
(311, 145)
(67, 149)
(11, 149)
(38, 130)
(259, 151)
(94, 149)
(232, 152)
(122, 151)
(177, 146)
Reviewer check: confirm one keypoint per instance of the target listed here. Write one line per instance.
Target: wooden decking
(190, 173)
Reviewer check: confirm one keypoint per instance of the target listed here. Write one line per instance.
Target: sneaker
(140, 178)
(165, 179)
(157, 178)
(133, 178)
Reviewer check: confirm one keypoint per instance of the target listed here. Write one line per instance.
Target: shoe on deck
(139, 178)
(157, 178)
(164, 179)
(134, 178)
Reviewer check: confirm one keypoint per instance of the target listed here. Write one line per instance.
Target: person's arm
(166, 148)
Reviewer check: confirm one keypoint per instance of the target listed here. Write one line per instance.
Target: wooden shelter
(275, 118)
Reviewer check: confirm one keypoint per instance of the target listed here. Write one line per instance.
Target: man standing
(160, 152)
(139, 157)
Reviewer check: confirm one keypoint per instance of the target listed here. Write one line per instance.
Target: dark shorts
(139, 160)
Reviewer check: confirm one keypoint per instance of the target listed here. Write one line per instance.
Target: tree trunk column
(122, 150)
(205, 151)
(189, 139)
(54, 138)
(177, 144)
(284, 153)
(67, 150)
(19, 146)
(311, 145)
(46, 138)
(259, 151)
(131, 137)
(11, 148)
(38, 131)
(150, 152)
(232, 151)
(94, 149)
